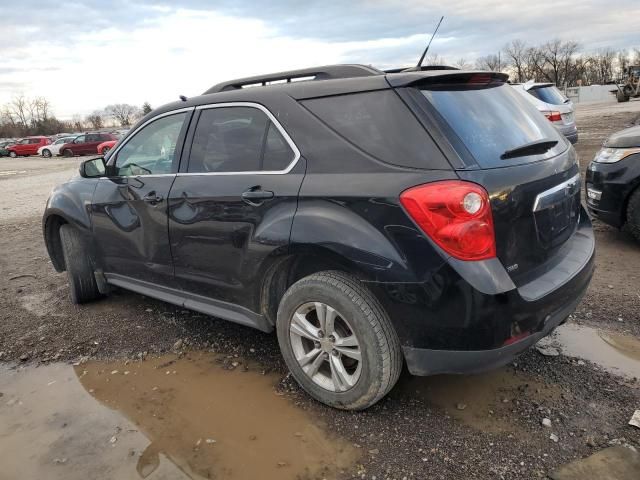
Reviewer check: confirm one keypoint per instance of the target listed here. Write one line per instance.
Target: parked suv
(371, 219)
(27, 146)
(552, 104)
(86, 144)
(613, 181)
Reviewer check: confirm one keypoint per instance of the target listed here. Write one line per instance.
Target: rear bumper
(454, 323)
(423, 362)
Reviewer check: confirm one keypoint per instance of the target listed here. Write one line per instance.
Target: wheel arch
(300, 261)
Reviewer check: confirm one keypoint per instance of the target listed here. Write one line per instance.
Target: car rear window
(548, 94)
(487, 121)
(381, 125)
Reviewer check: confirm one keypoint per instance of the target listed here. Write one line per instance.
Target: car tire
(46, 153)
(82, 282)
(105, 150)
(13, 154)
(67, 153)
(333, 376)
(621, 97)
(633, 214)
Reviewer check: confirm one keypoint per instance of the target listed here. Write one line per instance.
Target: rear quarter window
(380, 124)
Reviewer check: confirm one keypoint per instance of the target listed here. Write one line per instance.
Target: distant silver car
(552, 104)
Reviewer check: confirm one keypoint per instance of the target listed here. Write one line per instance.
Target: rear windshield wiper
(532, 148)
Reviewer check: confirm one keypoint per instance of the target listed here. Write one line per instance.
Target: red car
(27, 146)
(104, 147)
(86, 144)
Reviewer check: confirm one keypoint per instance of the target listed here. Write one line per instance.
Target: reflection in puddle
(617, 353)
(482, 401)
(167, 418)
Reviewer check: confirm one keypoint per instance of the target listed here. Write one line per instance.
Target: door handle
(255, 196)
(152, 198)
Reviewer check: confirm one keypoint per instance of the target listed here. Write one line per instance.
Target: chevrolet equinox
(371, 219)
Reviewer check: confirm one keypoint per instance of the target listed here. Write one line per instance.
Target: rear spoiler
(439, 77)
(531, 86)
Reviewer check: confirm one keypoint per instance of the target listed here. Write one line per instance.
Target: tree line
(557, 61)
(24, 116)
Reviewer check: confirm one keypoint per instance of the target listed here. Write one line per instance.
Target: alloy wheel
(46, 153)
(325, 346)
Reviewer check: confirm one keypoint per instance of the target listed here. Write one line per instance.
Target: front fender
(69, 203)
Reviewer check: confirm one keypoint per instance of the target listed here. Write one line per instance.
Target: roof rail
(315, 73)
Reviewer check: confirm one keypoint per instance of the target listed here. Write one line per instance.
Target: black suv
(370, 218)
(613, 181)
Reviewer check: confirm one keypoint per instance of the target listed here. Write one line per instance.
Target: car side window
(92, 137)
(228, 139)
(80, 139)
(151, 150)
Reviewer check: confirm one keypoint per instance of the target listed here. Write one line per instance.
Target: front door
(233, 204)
(129, 208)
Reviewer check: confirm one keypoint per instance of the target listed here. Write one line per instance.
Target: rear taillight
(456, 215)
(553, 116)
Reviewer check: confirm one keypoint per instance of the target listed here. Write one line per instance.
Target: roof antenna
(183, 98)
(418, 67)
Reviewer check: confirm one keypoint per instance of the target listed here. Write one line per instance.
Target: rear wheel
(13, 154)
(46, 153)
(67, 153)
(82, 282)
(633, 214)
(338, 341)
(621, 97)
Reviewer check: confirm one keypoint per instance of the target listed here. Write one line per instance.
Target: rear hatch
(526, 166)
(554, 99)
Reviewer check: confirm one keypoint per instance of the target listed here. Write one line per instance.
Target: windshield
(548, 94)
(490, 121)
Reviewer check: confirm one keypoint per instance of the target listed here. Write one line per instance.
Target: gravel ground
(486, 426)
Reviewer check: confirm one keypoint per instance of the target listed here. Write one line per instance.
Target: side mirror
(93, 168)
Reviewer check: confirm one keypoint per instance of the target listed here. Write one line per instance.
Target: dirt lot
(172, 379)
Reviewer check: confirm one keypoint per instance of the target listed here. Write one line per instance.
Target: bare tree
(122, 113)
(462, 64)
(95, 120)
(489, 62)
(76, 123)
(517, 55)
(19, 108)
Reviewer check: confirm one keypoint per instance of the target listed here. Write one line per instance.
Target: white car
(54, 148)
(552, 104)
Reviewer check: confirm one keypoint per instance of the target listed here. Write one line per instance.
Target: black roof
(318, 82)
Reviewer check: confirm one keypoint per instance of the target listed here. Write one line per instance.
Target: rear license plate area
(556, 213)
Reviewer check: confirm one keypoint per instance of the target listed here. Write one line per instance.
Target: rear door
(129, 208)
(535, 193)
(91, 146)
(232, 204)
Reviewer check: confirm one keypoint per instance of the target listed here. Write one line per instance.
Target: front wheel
(67, 153)
(13, 154)
(338, 341)
(82, 282)
(633, 214)
(46, 153)
(105, 150)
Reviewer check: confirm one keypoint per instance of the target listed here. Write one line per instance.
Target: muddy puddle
(614, 352)
(164, 418)
(482, 401)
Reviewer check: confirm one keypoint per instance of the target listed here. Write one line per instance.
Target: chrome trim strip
(258, 106)
(571, 183)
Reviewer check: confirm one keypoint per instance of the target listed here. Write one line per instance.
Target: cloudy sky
(85, 54)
